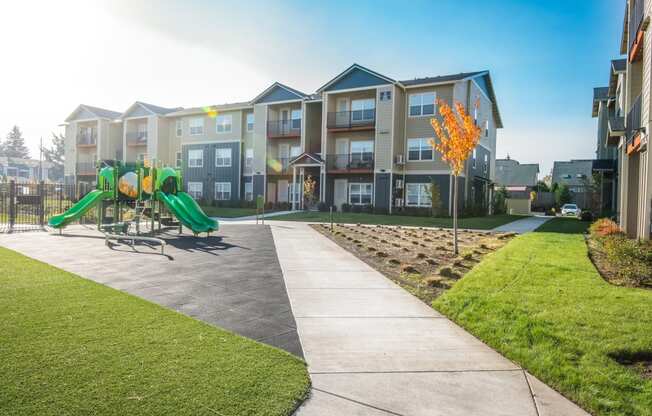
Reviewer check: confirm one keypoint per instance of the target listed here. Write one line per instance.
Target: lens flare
(275, 165)
(210, 112)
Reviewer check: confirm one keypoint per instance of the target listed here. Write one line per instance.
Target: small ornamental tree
(456, 136)
(310, 191)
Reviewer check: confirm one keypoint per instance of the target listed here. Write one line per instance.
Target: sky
(545, 57)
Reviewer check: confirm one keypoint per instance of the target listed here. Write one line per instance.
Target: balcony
(350, 163)
(284, 128)
(279, 166)
(637, 25)
(351, 120)
(87, 139)
(86, 168)
(633, 126)
(137, 138)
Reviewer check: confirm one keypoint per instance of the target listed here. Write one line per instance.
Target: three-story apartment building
(362, 137)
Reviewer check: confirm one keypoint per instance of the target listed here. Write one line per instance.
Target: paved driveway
(232, 280)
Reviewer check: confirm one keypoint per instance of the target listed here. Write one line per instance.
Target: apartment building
(24, 170)
(516, 176)
(362, 137)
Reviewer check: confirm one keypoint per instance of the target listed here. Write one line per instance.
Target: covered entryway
(304, 165)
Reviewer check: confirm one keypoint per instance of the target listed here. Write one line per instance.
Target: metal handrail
(351, 119)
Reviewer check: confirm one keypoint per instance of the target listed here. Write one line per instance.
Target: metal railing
(351, 119)
(284, 128)
(637, 12)
(136, 138)
(86, 138)
(633, 120)
(350, 162)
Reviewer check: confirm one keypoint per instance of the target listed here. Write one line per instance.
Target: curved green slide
(188, 212)
(77, 210)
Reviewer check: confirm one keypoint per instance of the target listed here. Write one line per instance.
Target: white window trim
(423, 200)
(193, 192)
(190, 124)
(178, 128)
(253, 122)
(190, 164)
(422, 93)
(227, 186)
(420, 149)
(249, 194)
(228, 117)
(474, 157)
(229, 158)
(361, 184)
(178, 160)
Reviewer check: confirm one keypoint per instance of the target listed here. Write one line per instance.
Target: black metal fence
(29, 206)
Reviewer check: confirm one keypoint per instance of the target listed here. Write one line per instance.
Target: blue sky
(545, 57)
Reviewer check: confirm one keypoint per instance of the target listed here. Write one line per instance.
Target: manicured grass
(228, 212)
(540, 301)
(479, 223)
(564, 225)
(71, 346)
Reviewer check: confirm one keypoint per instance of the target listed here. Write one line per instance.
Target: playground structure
(145, 190)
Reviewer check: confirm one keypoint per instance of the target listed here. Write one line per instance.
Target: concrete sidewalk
(522, 226)
(374, 349)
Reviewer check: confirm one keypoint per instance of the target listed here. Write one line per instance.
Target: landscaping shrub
(586, 216)
(356, 209)
(346, 207)
(323, 207)
(367, 209)
(604, 227)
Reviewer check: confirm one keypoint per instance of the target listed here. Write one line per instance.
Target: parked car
(570, 209)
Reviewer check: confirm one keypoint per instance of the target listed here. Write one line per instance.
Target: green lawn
(540, 301)
(71, 346)
(479, 223)
(564, 225)
(228, 212)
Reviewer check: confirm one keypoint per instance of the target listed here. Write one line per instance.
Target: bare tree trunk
(455, 251)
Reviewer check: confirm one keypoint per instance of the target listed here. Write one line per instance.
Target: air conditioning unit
(399, 184)
(399, 159)
(398, 202)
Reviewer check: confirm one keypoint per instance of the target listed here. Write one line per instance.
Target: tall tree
(55, 154)
(14, 145)
(456, 136)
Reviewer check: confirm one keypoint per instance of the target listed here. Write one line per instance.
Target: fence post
(12, 205)
(42, 196)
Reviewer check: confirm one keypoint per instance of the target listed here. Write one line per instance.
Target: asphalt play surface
(231, 279)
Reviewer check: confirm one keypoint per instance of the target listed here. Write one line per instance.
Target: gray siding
(444, 183)
(479, 169)
(208, 174)
(382, 190)
(355, 79)
(278, 94)
(259, 185)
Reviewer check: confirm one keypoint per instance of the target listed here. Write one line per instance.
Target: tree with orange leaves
(456, 136)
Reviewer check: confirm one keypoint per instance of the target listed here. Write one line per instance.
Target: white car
(570, 209)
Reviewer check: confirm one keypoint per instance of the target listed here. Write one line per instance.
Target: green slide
(188, 212)
(77, 210)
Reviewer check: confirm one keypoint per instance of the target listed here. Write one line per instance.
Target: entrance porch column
(292, 193)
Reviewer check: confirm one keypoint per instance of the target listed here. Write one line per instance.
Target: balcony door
(284, 124)
(342, 112)
(284, 155)
(341, 153)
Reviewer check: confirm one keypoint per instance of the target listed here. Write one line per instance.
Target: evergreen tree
(55, 155)
(563, 195)
(14, 145)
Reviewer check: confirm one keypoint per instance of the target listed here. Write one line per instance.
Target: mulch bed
(421, 260)
(610, 271)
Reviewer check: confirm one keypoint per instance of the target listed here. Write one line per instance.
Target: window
(361, 151)
(249, 191)
(475, 115)
(142, 157)
(223, 123)
(296, 119)
(249, 158)
(474, 154)
(142, 131)
(295, 192)
(250, 122)
(179, 128)
(422, 104)
(419, 149)
(486, 163)
(418, 195)
(196, 158)
(23, 173)
(196, 126)
(196, 190)
(360, 193)
(179, 160)
(223, 157)
(486, 128)
(222, 191)
(385, 96)
(11, 171)
(295, 151)
(362, 110)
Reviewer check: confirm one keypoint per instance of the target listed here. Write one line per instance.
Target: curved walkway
(374, 349)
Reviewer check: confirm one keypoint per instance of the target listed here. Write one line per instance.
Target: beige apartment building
(362, 137)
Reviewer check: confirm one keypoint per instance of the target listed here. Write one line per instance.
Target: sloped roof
(618, 66)
(441, 78)
(291, 93)
(352, 68)
(205, 109)
(572, 173)
(151, 108)
(510, 172)
(96, 111)
(599, 94)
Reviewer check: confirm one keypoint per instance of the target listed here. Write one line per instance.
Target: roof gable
(278, 92)
(140, 109)
(86, 112)
(306, 158)
(355, 76)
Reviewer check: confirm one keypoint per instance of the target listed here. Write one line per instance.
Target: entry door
(340, 197)
(283, 191)
(284, 154)
(271, 192)
(285, 121)
(342, 113)
(342, 153)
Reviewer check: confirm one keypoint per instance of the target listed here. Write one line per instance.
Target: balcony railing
(352, 162)
(279, 166)
(86, 168)
(284, 128)
(137, 138)
(633, 121)
(636, 15)
(352, 119)
(87, 138)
